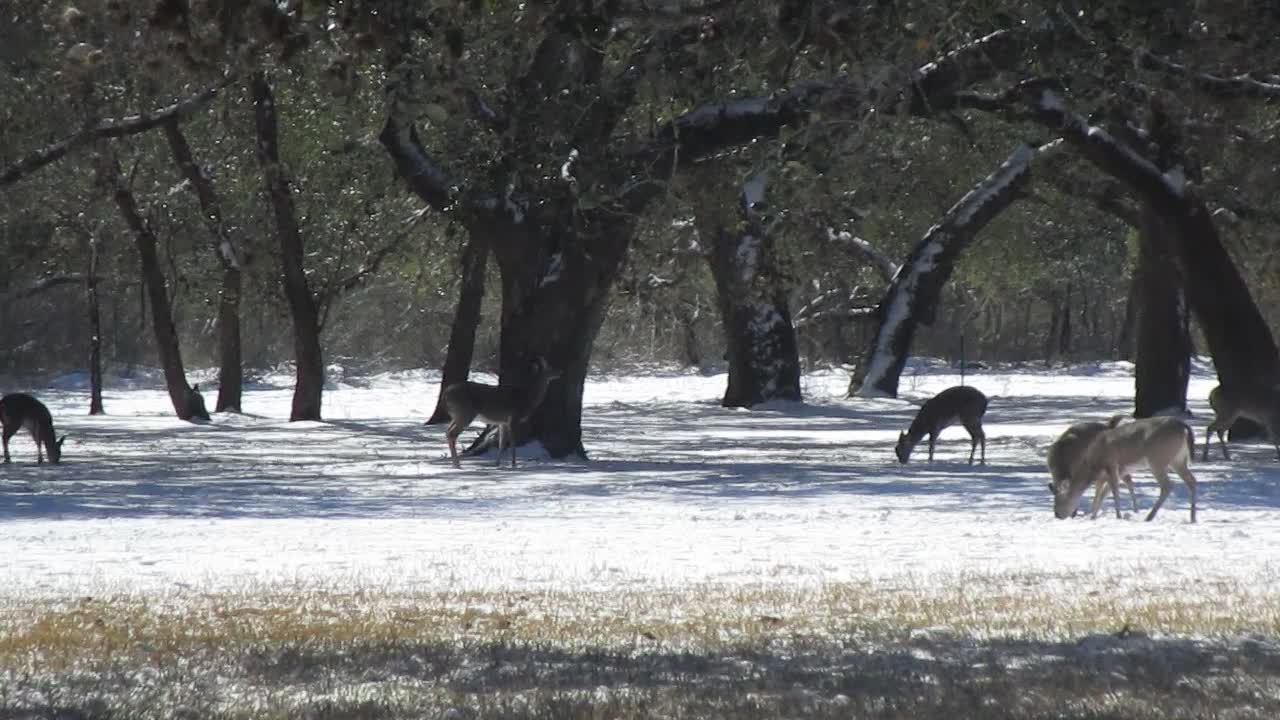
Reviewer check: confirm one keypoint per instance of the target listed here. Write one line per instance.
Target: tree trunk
(462, 336)
(302, 303)
(1163, 351)
(557, 272)
(230, 372)
(155, 292)
(95, 331)
(914, 294)
(764, 363)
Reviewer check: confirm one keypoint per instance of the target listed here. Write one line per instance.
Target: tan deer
(1261, 405)
(1067, 454)
(1161, 442)
(501, 405)
(20, 410)
(959, 405)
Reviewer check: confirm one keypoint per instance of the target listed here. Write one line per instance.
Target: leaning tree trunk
(1163, 351)
(230, 371)
(1239, 339)
(95, 331)
(466, 318)
(153, 283)
(302, 303)
(764, 363)
(914, 294)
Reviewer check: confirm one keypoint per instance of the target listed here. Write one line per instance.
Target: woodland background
(371, 184)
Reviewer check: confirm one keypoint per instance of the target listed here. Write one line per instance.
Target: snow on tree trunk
(764, 362)
(1239, 339)
(309, 385)
(914, 294)
(462, 336)
(1163, 351)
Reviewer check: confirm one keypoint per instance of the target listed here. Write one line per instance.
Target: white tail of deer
(1067, 455)
(1160, 442)
(959, 405)
(20, 410)
(1261, 405)
(500, 405)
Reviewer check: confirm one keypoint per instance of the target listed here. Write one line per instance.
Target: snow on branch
(881, 262)
(111, 128)
(1243, 85)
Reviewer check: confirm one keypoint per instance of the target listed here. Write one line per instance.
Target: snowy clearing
(679, 491)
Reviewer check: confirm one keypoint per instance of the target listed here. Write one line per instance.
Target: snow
(679, 491)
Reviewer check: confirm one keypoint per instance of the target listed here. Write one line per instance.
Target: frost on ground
(702, 549)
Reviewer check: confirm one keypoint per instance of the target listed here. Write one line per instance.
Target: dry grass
(990, 647)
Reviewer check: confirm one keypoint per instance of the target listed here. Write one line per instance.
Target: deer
(1162, 442)
(959, 405)
(501, 405)
(20, 410)
(1261, 405)
(1067, 454)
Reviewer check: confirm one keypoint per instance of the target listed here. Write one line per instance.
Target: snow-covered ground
(678, 491)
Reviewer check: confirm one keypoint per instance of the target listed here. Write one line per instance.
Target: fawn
(961, 405)
(500, 405)
(20, 410)
(1162, 442)
(1259, 405)
(1067, 454)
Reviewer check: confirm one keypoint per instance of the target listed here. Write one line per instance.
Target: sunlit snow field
(677, 491)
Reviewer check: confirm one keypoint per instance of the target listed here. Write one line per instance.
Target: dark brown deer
(501, 405)
(959, 405)
(20, 410)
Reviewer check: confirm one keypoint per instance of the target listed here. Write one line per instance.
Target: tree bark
(1239, 339)
(95, 330)
(309, 386)
(153, 283)
(466, 318)
(764, 363)
(914, 294)
(1163, 351)
(230, 372)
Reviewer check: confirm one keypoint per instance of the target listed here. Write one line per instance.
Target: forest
(758, 186)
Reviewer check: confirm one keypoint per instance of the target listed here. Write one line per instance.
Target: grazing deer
(1067, 454)
(20, 410)
(1162, 442)
(959, 405)
(1261, 405)
(501, 405)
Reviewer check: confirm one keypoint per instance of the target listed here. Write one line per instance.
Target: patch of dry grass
(983, 646)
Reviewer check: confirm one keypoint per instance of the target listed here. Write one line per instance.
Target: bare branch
(112, 128)
(881, 262)
(1243, 85)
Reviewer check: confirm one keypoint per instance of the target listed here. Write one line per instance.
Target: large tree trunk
(153, 283)
(1243, 348)
(230, 372)
(557, 271)
(95, 330)
(302, 303)
(764, 363)
(1163, 350)
(914, 294)
(462, 336)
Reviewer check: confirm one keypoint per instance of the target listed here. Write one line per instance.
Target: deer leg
(1133, 497)
(1208, 438)
(1115, 495)
(451, 434)
(1184, 472)
(512, 442)
(502, 436)
(1099, 492)
(35, 435)
(933, 437)
(6, 435)
(1162, 477)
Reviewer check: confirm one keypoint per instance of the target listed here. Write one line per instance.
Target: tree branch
(112, 128)
(1243, 85)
